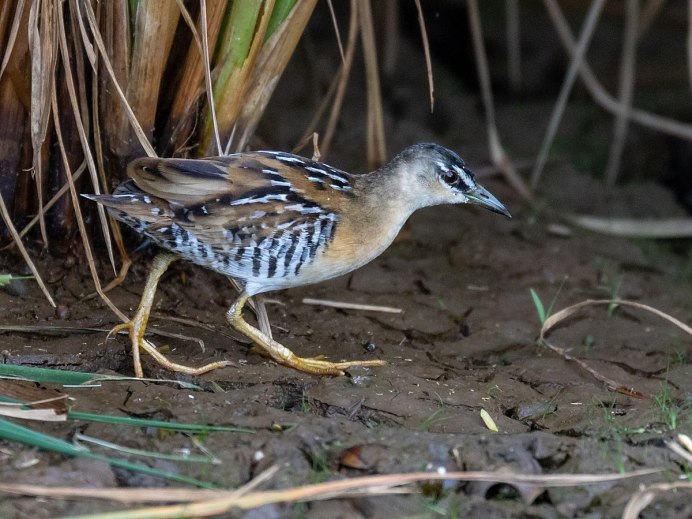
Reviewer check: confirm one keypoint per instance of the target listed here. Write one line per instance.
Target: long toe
(323, 367)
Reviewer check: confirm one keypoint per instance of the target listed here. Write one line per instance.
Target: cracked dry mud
(465, 342)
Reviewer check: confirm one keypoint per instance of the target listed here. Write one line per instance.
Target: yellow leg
(283, 355)
(138, 324)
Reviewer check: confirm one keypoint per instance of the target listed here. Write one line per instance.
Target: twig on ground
(554, 319)
(352, 306)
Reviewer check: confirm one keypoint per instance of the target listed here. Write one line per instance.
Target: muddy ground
(466, 341)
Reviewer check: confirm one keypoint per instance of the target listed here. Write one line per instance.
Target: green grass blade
(141, 422)
(6, 279)
(185, 458)
(235, 44)
(18, 433)
(279, 14)
(21, 434)
(46, 375)
(75, 378)
(539, 305)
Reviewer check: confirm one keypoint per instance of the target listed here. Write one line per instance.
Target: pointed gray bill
(481, 196)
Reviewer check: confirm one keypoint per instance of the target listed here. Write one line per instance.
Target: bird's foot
(282, 355)
(138, 342)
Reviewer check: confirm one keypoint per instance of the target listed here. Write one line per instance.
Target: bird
(273, 220)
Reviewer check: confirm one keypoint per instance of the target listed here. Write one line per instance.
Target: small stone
(62, 311)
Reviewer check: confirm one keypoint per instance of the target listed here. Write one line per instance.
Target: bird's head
(436, 175)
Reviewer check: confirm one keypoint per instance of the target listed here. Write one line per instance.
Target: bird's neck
(386, 192)
(384, 202)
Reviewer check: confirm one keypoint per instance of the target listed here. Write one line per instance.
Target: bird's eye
(450, 177)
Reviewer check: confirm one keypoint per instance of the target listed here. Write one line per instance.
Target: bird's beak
(481, 196)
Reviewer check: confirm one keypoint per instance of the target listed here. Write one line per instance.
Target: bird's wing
(268, 212)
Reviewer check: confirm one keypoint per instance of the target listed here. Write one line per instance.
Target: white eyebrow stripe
(443, 166)
(465, 177)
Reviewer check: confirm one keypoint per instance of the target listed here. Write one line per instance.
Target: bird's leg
(283, 355)
(138, 324)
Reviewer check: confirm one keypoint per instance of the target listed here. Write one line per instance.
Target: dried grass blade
(611, 384)
(75, 201)
(30, 394)
(63, 189)
(86, 44)
(43, 51)
(636, 227)
(554, 319)
(625, 91)
(22, 250)
(205, 503)
(203, 46)
(600, 95)
(14, 29)
(497, 153)
(233, 56)
(352, 306)
(184, 110)
(680, 450)
(332, 14)
(376, 143)
(84, 140)
(115, 21)
(426, 51)
(235, 77)
(513, 44)
(41, 415)
(270, 64)
(138, 495)
(578, 58)
(98, 149)
(342, 79)
(93, 26)
(155, 24)
(207, 73)
(645, 496)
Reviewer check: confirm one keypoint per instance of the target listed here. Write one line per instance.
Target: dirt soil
(465, 341)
